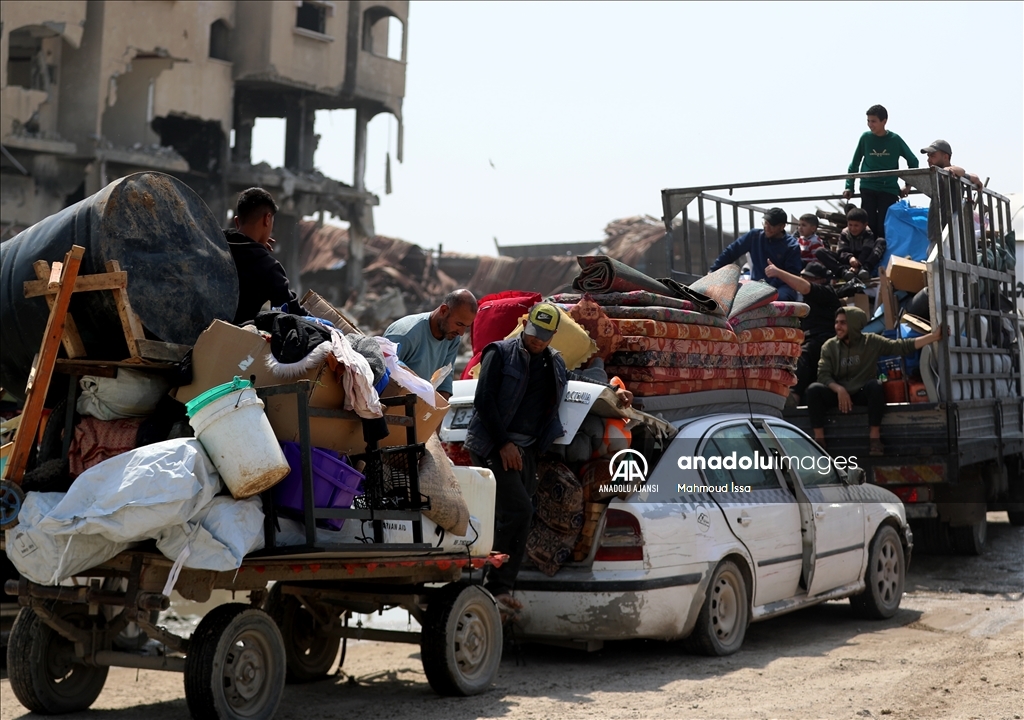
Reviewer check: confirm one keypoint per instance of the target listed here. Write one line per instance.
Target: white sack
(219, 535)
(138, 493)
(132, 393)
(46, 558)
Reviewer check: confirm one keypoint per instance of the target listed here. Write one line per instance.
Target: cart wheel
(45, 674)
(461, 640)
(12, 497)
(310, 653)
(235, 665)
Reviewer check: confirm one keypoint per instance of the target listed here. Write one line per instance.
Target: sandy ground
(955, 650)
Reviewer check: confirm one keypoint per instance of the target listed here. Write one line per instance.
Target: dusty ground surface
(955, 650)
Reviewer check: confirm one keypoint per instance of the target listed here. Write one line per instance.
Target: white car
(700, 553)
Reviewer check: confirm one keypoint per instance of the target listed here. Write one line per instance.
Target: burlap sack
(437, 481)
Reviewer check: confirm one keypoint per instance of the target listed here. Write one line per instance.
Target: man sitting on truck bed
(771, 243)
(859, 252)
(847, 373)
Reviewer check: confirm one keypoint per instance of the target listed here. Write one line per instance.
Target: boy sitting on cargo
(859, 251)
(847, 370)
(877, 150)
(808, 238)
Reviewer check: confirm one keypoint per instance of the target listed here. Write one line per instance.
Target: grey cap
(937, 146)
(775, 216)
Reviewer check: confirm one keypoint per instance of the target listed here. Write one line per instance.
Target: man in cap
(520, 387)
(770, 244)
(814, 284)
(939, 155)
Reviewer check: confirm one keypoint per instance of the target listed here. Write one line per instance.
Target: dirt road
(955, 650)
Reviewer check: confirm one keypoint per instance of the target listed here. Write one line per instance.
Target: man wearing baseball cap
(518, 392)
(939, 155)
(770, 244)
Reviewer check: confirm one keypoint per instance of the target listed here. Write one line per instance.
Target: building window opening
(26, 65)
(383, 33)
(220, 41)
(311, 16)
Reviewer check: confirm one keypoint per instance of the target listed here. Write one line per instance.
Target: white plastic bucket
(237, 436)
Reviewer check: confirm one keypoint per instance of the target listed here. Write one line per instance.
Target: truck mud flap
(934, 472)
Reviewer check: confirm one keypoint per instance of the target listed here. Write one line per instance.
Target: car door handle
(819, 514)
(743, 519)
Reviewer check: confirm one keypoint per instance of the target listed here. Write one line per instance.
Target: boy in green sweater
(847, 373)
(878, 149)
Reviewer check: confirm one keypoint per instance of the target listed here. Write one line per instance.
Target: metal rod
(143, 662)
(357, 633)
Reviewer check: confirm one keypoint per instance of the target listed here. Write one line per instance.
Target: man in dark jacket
(520, 387)
(260, 276)
(772, 243)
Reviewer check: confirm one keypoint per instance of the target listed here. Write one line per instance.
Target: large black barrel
(180, 272)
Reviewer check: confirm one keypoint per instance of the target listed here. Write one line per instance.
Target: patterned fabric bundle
(558, 520)
(786, 322)
(775, 309)
(635, 343)
(640, 298)
(602, 274)
(658, 358)
(720, 285)
(664, 314)
(768, 334)
(666, 374)
(752, 295)
(758, 350)
(677, 331)
(593, 319)
(680, 387)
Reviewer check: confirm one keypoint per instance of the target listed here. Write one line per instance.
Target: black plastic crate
(392, 479)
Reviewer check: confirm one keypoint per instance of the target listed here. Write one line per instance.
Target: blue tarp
(906, 232)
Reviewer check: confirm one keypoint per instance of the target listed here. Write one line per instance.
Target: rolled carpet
(602, 274)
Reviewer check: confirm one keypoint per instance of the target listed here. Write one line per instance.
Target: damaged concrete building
(92, 90)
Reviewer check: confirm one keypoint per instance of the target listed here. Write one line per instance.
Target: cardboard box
(225, 350)
(318, 307)
(908, 275)
(862, 301)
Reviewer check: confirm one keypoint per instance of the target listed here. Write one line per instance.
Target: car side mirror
(855, 476)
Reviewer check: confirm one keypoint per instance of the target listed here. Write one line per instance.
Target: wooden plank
(161, 351)
(5, 449)
(71, 340)
(79, 368)
(86, 283)
(130, 322)
(53, 282)
(42, 369)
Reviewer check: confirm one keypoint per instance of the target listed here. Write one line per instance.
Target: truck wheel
(722, 623)
(45, 674)
(884, 577)
(235, 665)
(461, 640)
(970, 539)
(309, 652)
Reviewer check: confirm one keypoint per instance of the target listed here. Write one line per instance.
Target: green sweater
(854, 363)
(880, 153)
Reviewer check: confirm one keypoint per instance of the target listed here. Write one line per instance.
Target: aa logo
(625, 467)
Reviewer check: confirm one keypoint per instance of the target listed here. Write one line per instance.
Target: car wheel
(722, 623)
(970, 539)
(884, 577)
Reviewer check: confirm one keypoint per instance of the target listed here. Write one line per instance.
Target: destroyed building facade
(92, 90)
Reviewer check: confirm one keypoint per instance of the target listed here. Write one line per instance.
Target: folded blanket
(602, 274)
(778, 334)
(635, 297)
(752, 295)
(787, 322)
(755, 350)
(681, 387)
(641, 342)
(664, 374)
(774, 309)
(658, 358)
(664, 314)
(720, 285)
(656, 328)
(707, 347)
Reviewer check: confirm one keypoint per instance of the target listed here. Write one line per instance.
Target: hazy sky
(587, 110)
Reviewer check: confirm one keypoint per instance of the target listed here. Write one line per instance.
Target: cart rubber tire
(235, 665)
(12, 497)
(309, 652)
(43, 675)
(461, 640)
(723, 619)
(885, 577)
(970, 539)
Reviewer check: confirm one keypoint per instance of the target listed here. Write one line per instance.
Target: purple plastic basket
(335, 484)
